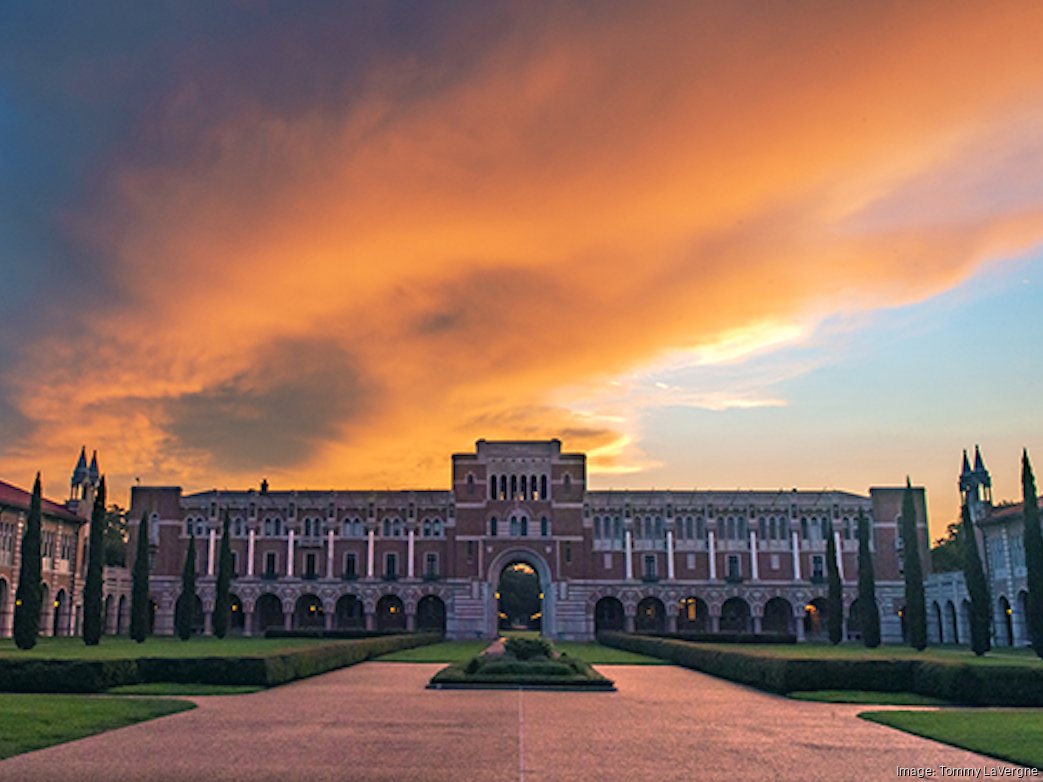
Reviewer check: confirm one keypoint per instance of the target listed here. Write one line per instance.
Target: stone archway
(500, 562)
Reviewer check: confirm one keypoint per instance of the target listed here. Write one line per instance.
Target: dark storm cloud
(295, 395)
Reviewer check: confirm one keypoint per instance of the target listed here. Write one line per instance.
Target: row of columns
(251, 545)
(712, 551)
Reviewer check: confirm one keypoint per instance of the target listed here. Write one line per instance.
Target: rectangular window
(350, 565)
(309, 566)
(818, 564)
(545, 527)
(271, 563)
(734, 571)
(391, 565)
(774, 561)
(608, 562)
(690, 561)
(470, 551)
(568, 553)
(431, 565)
(650, 567)
(235, 564)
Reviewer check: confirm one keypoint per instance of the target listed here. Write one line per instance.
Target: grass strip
(29, 722)
(869, 697)
(1014, 735)
(189, 688)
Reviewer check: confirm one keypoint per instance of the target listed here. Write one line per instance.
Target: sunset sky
(717, 245)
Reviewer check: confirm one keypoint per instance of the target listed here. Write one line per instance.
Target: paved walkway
(376, 721)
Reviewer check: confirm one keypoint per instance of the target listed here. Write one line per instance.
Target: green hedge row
(967, 683)
(265, 670)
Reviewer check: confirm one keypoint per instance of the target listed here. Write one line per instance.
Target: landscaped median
(256, 662)
(526, 663)
(953, 677)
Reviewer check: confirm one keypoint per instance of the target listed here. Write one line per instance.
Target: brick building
(646, 560)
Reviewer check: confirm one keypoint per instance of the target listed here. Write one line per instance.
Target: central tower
(518, 501)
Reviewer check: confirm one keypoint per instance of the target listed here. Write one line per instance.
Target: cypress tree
(224, 580)
(835, 593)
(186, 604)
(869, 614)
(915, 605)
(139, 607)
(92, 589)
(977, 586)
(29, 594)
(1033, 554)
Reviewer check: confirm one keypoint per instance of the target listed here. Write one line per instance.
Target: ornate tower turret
(976, 486)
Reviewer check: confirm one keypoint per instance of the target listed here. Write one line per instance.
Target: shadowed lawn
(596, 654)
(29, 722)
(178, 688)
(866, 696)
(443, 652)
(851, 651)
(119, 648)
(1015, 735)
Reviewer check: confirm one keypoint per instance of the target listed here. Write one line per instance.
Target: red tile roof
(1007, 512)
(14, 497)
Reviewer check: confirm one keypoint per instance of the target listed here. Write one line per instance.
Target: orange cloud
(344, 293)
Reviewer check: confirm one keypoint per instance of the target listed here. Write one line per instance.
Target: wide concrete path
(377, 722)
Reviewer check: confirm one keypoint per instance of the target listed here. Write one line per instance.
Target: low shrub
(528, 648)
(733, 638)
(265, 669)
(967, 683)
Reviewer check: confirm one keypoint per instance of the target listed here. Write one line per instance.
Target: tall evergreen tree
(835, 593)
(139, 605)
(868, 613)
(92, 589)
(186, 604)
(29, 594)
(1033, 554)
(977, 586)
(915, 604)
(224, 580)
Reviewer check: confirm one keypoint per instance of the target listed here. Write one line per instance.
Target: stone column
(758, 624)
(715, 623)
(670, 555)
(840, 554)
(370, 554)
(628, 623)
(251, 541)
(248, 623)
(411, 621)
(371, 621)
(795, 538)
(712, 551)
(208, 622)
(211, 542)
(327, 618)
(755, 571)
(800, 626)
(671, 621)
(410, 552)
(329, 554)
(289, 555)
(629, 555)
(287, 620)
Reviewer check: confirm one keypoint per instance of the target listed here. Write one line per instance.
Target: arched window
(492, 487)
(543, 487)
(267, 527)
(436, 528)
(492, 527)
(524, 526)
(533, 493)
(597, 528)
(545, 527)
(278, 526)
(503, 487)
(514, 487)
(803, 528)
(387, 528)
(470, 484)
(188, 525)
(426, 527)
(524, 486)
(568, 482)
(514, 526)
(307, 528)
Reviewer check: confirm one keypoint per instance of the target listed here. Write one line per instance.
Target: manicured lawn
(596, 654)
(175, 688)
(960, 654)
(116, 648)
(865, 696)
(29, 722)
(1015, 735)
(443, 652)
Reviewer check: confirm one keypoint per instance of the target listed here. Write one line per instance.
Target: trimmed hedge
(265, 670)
(733, 638)
(967, 683)
(340, 634)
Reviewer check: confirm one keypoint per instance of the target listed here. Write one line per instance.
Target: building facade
(655, 561)
(63, 542)
(1001, 543)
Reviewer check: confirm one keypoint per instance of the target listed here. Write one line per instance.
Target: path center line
(521, 738)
